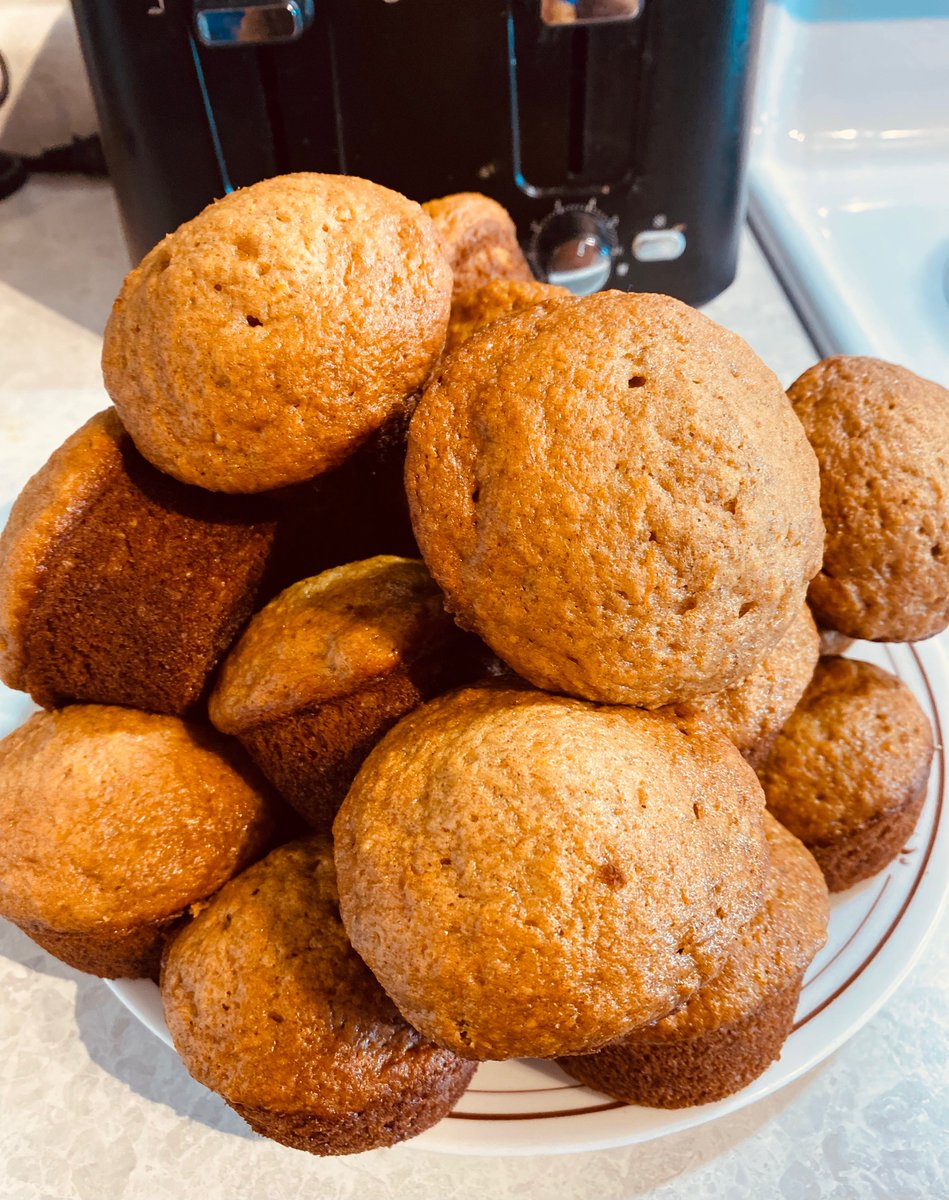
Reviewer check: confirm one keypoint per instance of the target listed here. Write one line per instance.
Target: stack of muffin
(381, 781)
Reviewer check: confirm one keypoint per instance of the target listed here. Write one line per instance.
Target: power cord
(81, 156)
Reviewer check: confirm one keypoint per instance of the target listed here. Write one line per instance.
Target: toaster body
(614, 131)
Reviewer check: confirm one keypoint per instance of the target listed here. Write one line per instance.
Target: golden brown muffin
(615, 494)
(263, 341)
(115, 822)
(881, 435)
(733, 1028)
(268, 1005)
(751, 713)
(473, 310)
(328, 667)
(849, 770)
(528, 875)
(479, 240)
(119, 585)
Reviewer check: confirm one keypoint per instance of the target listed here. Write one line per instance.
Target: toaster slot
(578, 90)
(236, 107)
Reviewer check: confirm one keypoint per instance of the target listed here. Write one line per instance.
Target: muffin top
(268, 1004)
(479, 239)
(615, 494)
(857, 747)
(881, 435)
(528, 875)
(264, 340)
(482, 306)
(114, 817)
(751, 713)
(327, 636)
(46, 509)
(773, 949)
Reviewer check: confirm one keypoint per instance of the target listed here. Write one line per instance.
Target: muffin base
(700, 1070)
(850, 859)
(311, 756)
(112, 953)
(382, 1124)
(141, 597)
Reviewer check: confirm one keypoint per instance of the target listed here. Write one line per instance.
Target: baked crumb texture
(881, 435)
(268, 1005)
(733, 1028)
(849, 771)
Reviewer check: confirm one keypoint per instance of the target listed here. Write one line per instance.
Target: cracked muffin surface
(263, 341)
(115, 822)
(529, 875)
(268, 1005)
(881, 435)
(615, 494)
(849, 771)
(733, 1028)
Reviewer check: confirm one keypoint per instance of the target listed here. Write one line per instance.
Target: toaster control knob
(574, 248)
(250, 22)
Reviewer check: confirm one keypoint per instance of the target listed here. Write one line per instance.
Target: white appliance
(849, 180)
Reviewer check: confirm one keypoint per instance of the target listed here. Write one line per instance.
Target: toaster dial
(574, 247)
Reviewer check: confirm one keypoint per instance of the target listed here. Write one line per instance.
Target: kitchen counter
(93, 1106)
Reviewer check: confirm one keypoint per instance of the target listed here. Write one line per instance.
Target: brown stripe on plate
(538, 1116)
(866, 917)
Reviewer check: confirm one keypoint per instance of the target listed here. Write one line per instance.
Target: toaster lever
(251, 23)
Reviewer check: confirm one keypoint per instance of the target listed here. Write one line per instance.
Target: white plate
(877, 931)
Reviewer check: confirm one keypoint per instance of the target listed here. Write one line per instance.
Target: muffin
(733, 1028)
(881, 435)
(849, 771)
(528, 875)
(615, 494)
(751, 713)
(262, 342)
(479, 240)
(269, 1006)
(474, 310)
(115, 823)
(119, 585)
(328, 667)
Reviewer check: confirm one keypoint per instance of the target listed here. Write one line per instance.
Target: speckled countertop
(92, 1106)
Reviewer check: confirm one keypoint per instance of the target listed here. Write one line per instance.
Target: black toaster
(614, 131)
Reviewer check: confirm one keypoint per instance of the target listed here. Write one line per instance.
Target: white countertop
(93, 1106)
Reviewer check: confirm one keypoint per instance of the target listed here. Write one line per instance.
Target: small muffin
(479, 240)
(881, 435)
(328, 667)
(849, 770)
(473, 310)
(615, 494)
(751, 713)
(119, 585)
(733, 1028)
(268, 1005)
(528, 875)
(116, 822)
(263, 341)
(833, 643)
